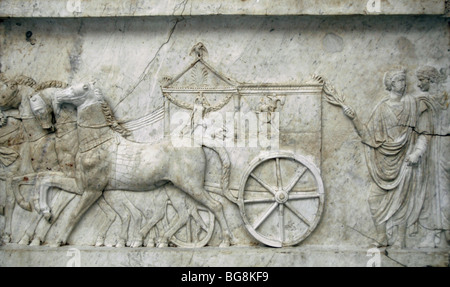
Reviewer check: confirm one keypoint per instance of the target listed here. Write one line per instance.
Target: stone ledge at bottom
(13, 255)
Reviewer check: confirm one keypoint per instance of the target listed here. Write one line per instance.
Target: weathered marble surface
(128, 58)
(104, 8)
(311, 256)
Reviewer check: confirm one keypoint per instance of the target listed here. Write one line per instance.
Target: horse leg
(110, 217)
(136, 215)
(157, 216)
(88, 198)
(59, 203)
(175, 225)
(114, 200)
(29, 232)
(45, 182)
(10, 204)
(202, 196)
(159, 208)
(179, 204)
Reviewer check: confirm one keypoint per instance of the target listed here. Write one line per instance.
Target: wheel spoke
(298, 214)
(278, 172)
(298, 174)
(281, 221)
(259, 200)
(265, 215)
(304, 189)
(303, 195)
(263, 183)
(188, 230)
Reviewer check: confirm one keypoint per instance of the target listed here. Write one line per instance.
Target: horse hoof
(6, 239)
(150, 243)
(225, 243)
(55, 244)
(25, 240)
(136, 244)
(35, 242)
(48, 217)
(99, 244)
(120, 244)
(163, 245)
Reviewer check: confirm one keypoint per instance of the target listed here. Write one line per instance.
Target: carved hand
(413, 159)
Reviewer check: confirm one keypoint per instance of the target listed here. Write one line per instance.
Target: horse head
(9, 98)
(42, 111)
(77, 95)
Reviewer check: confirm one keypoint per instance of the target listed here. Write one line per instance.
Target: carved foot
(121, 243)
(48, 216)
(136, 243)
(428, 242)
(225, 243)
(399, 244)
(55, 244)
(6, 238)
(25, 240)
(36, 242)
(163, 243)
(381, 241)
(100, 242)
(150, 243)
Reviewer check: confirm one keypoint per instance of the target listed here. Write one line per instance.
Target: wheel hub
(281, 196)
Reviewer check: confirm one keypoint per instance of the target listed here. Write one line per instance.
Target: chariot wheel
(281, 198)
(196, 229)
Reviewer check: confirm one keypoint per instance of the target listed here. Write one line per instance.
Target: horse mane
(19, 80)
(29, 82)
(50, 84)
(109, 116)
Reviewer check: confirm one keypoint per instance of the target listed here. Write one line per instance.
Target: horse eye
(85, 87)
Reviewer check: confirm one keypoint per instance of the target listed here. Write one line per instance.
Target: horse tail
(226, 169)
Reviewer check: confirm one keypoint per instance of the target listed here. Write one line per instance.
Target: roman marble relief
(257, 147)
(63, 142)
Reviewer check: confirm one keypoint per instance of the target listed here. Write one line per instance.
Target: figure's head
(42, 111)
(427, 76)
(395, 81)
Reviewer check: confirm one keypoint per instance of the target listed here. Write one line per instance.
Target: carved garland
(188, 106)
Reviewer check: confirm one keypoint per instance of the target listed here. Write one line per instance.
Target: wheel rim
(283, 210)
(191, 234)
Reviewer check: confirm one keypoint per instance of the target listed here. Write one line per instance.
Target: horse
(13, 99)
(112, 203)
(37, 152)
(106, 160)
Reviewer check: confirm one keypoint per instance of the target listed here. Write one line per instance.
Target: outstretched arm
(359, 127)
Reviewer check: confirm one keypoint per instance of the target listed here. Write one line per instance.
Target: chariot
(272, 134)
